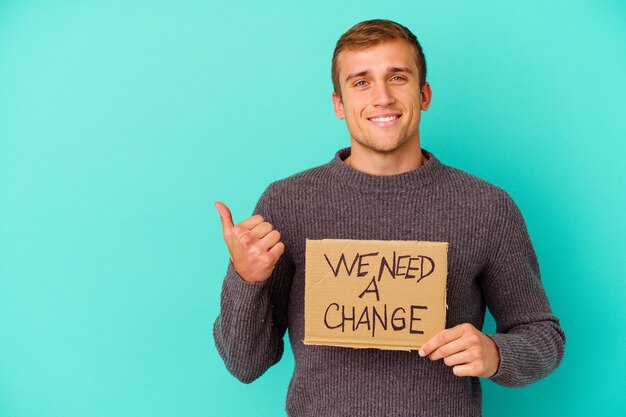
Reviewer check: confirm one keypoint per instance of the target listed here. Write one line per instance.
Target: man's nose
(382, 95)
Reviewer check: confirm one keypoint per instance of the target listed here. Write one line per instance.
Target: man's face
(381, 98)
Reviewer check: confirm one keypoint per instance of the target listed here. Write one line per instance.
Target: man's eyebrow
(401, 69)
(408, 70)
(356, 74)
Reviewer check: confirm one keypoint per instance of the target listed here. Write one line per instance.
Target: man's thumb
(225, 217)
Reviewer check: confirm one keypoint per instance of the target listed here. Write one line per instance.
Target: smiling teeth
(383, 119)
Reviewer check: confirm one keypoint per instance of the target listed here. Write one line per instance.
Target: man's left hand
(466, 349)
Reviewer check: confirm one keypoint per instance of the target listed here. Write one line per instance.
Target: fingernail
(421, 353)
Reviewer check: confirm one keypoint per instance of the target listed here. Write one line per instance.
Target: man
(385, 187)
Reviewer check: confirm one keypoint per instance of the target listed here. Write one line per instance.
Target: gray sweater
(491, 262)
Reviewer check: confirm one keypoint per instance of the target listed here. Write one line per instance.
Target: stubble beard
(384, 146)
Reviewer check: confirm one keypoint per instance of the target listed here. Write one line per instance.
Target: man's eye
(397, 78)
(361, 83)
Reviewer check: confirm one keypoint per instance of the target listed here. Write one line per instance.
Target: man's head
(369, 33)
(380, 88)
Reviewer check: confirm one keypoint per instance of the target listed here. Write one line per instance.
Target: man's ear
(338, 106)
(426, 96)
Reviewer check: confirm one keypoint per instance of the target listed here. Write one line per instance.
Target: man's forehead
(384, 56)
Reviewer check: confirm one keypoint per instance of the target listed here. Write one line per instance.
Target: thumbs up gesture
(254, 245)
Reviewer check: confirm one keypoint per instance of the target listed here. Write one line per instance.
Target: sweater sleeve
(528, 335)
(249, 329)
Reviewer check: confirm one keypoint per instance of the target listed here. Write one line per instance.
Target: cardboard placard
(374, 293)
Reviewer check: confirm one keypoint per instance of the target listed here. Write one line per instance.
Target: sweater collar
(411, 179)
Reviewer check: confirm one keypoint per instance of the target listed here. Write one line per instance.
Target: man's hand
(253, 244)
(466, 349)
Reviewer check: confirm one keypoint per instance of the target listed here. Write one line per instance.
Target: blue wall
(122, 122)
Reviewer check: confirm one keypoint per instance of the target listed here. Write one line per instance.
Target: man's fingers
(466, 349)
(270, 239)
(455, 346)
(440, 339)
(278, 249)
(225, 217)
(251, 222)
(261, 230)
(459, 358)
(465, 369)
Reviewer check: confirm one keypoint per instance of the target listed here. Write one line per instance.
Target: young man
(385, 187)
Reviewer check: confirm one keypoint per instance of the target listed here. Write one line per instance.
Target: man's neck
(391, 163)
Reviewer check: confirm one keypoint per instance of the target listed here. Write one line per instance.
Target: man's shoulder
(474, 182)
(301, 181)
(471, 187)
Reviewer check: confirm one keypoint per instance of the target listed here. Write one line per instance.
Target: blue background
(121, 122)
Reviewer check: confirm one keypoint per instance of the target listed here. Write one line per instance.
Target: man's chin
(386, 145)
(382, 148)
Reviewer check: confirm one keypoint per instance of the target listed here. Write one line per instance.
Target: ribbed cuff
(505, 375)
(246, 292)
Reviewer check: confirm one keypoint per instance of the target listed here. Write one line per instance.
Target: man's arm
(528, 335)
(252, 322)
(529, 341)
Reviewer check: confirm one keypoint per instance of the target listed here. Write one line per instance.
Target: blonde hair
(369, 33)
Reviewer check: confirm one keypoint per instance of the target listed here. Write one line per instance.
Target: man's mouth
(384, 120)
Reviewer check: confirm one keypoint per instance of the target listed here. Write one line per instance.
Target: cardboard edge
(360, 345)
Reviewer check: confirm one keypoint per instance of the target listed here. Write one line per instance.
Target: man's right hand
(253, 244)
